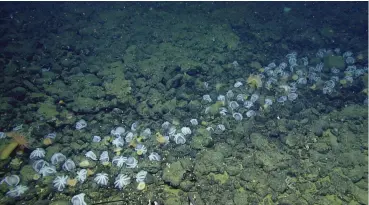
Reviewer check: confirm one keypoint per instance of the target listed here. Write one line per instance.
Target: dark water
(217, 102)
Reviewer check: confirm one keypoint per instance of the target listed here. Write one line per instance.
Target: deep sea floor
(176, 103)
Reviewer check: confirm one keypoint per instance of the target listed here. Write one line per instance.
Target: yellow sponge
(8, 150)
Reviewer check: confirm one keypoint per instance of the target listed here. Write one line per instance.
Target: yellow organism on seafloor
(141, 186)
(140, 138)
(161, 139)
(343, 82)
(18, 140)
(47, 141)
(139, 152)
(133, 142)
(72, 182)
(254, 81)
(313, 87)
(141, 149)
(295, 77)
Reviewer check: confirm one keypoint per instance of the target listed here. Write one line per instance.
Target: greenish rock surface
(321, 147)
(173, 201)
(60, 202)
(220, 178)
(34, 69)
(87, 105)
(5, 107)
(334, 61)
(357, 173)
(27, 173)
(173, 173)
(151, 166)
(48, 111)
(259, 141)
(60, 89)
(270, 160)
(240, 197)
(41, 130)
(202, 139)
(35, 96)
(209, 161)
(186, 185)
(224, 148)
(351, 112)
(4, 188)
(233, 170)
(94, 92)
(360, 195)
(255, 65)
(52, 150)
(116, 84)
(18, 92)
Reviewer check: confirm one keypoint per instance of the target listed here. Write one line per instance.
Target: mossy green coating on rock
(234, 170)
(240, 197)
(221, 178)
(209, 161)
(41, 131)
(116, 85)
(332, 199)
(175, 196)
(60, 89)
(186, 185)
(120, 88)
(48, 111)
(351, 112)
(27, 173)
(77, 147)
(87, 105)
(52, 150)
(294, 140)
(322, 147)
(173, 173)
(60, 202)
(361, 195)
(270, 161)
(173, 201)
(331, 138)
(4, 188)
(91, 79)
(94, 92)
(214, 108)
(66, 118)
(16, 163)
(357, 173)
(202, 139)
(255, 65)
(224, 148)
(151, 166)
(267, 200)
(259, 141)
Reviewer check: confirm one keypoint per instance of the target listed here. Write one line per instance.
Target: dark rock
(18, 93)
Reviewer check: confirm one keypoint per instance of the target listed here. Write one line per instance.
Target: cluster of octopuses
(59, 160)
(281, 83)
